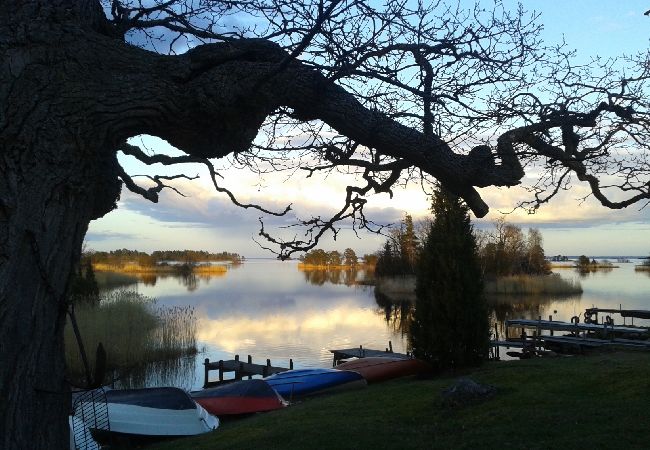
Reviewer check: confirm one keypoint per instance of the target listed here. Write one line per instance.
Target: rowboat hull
(154, 413)
(378, 369)
(299, 383)
(240, 397)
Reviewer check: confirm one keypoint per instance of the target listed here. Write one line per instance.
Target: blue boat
(302, 382)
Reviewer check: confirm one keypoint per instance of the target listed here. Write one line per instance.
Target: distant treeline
(322, 258)
(158, 257)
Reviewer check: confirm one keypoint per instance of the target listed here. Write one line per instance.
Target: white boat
(80, 436)
(155, 413)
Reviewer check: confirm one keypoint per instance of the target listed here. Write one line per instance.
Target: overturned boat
(376, 369)
(239, 397)
(153, 413)
(303, 382)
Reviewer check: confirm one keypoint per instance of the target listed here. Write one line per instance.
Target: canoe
(154, 412)
(239, 397)
(377, 369)
(303, 382)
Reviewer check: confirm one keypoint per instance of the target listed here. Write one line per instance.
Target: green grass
(552, 284)
(600, 401)
(133, 331)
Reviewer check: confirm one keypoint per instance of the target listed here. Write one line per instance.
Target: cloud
(98, 236)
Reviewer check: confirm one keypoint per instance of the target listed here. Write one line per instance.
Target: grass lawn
(597, 401)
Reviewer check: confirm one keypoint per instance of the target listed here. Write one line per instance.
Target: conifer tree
(450, 327)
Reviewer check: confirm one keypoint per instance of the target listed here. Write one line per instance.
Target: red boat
(377, 369)
(239, 397)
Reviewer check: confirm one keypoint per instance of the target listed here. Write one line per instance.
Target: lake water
(271, 309)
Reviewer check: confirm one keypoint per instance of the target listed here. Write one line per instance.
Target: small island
(584, 264)
(162, 261)
(644, 266)
(319, 259)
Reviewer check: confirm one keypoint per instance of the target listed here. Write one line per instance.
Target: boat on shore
(376, 369)
(303, 382)
(239, 397)
(153, 413)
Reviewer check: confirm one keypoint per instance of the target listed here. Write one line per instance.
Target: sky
(204, 219)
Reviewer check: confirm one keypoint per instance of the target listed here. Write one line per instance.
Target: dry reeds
(552, 284)
(132, 330)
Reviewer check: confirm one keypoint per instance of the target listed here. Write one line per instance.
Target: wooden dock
(360, 352)
(552, 325)
(625, 313)
(240, 368)
(582, 336)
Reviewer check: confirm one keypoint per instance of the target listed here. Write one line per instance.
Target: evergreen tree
(450, 327)
(408, 244)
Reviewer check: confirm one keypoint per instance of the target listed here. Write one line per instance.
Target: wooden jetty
(582, 335)
(360, 352)
(632, 313)
(551, 325)
(241, 369)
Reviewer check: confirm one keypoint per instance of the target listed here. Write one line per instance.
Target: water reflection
(585, 273)
(109, 281)
(348, 277)
(397, 310)
(177, 372)
(270, 309)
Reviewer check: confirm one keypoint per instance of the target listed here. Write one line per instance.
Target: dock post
(221, 370)
(496, 338)
(206, 378)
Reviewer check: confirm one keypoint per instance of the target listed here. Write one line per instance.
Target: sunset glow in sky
(207, 220)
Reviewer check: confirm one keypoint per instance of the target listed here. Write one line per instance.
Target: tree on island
(450, 326)
(400, 252)
(350, 257)
(393, 93)
(507, 251)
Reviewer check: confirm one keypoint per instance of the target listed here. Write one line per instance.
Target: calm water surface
(270, 309)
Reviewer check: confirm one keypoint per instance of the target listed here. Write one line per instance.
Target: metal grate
(89, 414)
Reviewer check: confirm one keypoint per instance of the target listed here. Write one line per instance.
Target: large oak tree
(393, 93)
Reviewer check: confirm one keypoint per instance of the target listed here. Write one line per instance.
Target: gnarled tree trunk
(55, 176)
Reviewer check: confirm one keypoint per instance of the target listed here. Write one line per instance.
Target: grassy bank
(533, 285)
(133, 331)
(599, 401)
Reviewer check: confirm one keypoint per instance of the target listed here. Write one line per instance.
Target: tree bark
(54, 178)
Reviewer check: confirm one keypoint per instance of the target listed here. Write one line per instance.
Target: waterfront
(270, 309)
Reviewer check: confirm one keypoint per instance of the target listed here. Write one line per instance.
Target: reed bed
(133, 331)
(216, 269)
(552, 284)
(134, 268)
